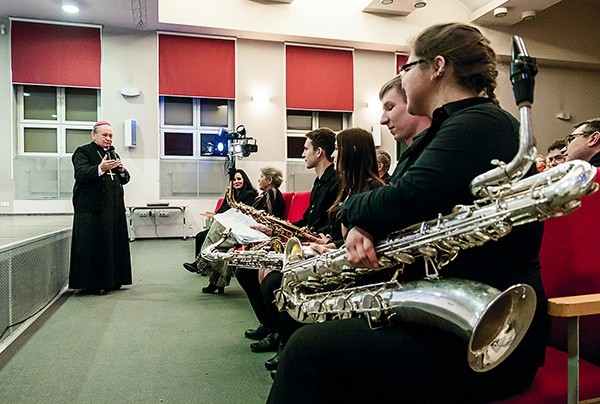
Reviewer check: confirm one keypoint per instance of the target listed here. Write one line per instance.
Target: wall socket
(163, 214)
(4, 204)
(143, 213)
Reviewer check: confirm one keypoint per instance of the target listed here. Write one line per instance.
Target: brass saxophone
(281, 228)
(493, 322)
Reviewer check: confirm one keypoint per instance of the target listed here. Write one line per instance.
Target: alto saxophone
(493, 322)
(281, 228)
(268, 254)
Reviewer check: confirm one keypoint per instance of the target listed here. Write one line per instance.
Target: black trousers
(344, 361)
(283, 323)
(248, 280)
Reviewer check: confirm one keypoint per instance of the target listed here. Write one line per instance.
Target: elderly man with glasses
(584, 142)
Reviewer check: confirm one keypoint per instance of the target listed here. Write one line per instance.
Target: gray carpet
(159, 340)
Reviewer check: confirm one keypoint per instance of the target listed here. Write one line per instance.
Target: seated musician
(269, 200)
(451, 77)
(318, 147)
(243, 192)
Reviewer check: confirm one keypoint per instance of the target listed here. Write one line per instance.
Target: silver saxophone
(493, 322)
(254, 258)
(262, 256)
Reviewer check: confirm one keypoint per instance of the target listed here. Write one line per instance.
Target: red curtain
(319, 79)
(56, 55)
(196, 67)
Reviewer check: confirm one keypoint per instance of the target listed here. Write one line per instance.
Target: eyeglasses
(406, 67)
(572, 136)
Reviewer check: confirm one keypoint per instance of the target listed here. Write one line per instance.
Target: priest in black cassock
(100, 260)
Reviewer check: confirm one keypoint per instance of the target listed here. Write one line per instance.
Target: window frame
(196, 129)
(315, 118)
(60, 123)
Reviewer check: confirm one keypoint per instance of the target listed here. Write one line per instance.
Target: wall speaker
(130, 132)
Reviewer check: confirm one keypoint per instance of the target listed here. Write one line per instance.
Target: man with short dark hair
(555, 154)
(384, 161)
(318, 148)
(584, 142)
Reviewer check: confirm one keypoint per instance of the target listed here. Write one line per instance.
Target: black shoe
(257, 333)
(190, 266)
(270, 343)
(273, 374)
(99, 292)
(272, 363)
(214, 289)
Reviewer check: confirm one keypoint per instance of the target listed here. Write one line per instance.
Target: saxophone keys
(428, 251)
(404, 258)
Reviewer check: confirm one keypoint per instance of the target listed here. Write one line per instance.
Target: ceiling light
(387, 2)
(528, 15)
(500, 12)
(70, 6)
(420, 3)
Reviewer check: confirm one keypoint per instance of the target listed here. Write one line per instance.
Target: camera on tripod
(234, 143)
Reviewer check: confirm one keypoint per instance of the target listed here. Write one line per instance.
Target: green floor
(159, 340)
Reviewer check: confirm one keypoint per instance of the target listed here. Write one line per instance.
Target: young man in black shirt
(276, 327)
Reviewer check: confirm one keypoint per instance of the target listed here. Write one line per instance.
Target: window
(51, 123)
(188, 127)
(301, 122)
(298, 124)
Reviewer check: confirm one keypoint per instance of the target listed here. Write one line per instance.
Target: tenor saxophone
(493, 322)
(281, 228)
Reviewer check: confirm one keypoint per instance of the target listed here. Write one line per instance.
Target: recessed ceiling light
(70, 7)
(419, 3)
(387, 2)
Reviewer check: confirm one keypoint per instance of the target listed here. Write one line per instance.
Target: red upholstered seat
(298, 206)
(287, 197)
(550, 383)
(219, 203)
(570, 266)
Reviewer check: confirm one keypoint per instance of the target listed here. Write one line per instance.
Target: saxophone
(281, 228)
(268, 254)
(493, 322)
(262, 256)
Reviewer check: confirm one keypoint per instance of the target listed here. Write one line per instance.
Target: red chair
(300, 202)
(287, 197)
(571, 277)
(219, 203)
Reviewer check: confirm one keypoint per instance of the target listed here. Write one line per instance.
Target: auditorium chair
(298, 206)
(571, 276)
(287, 197)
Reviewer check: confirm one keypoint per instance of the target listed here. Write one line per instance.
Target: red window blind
(319, 79)
(56, 55)
(400, 60)
(196, 67)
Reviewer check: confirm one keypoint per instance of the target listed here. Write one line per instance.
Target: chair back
(570, 263)
(287, 198)
(300, 202)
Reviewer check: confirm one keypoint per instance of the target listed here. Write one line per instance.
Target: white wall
(130, 60)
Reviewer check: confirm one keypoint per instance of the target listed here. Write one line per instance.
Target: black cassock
(100, 256)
